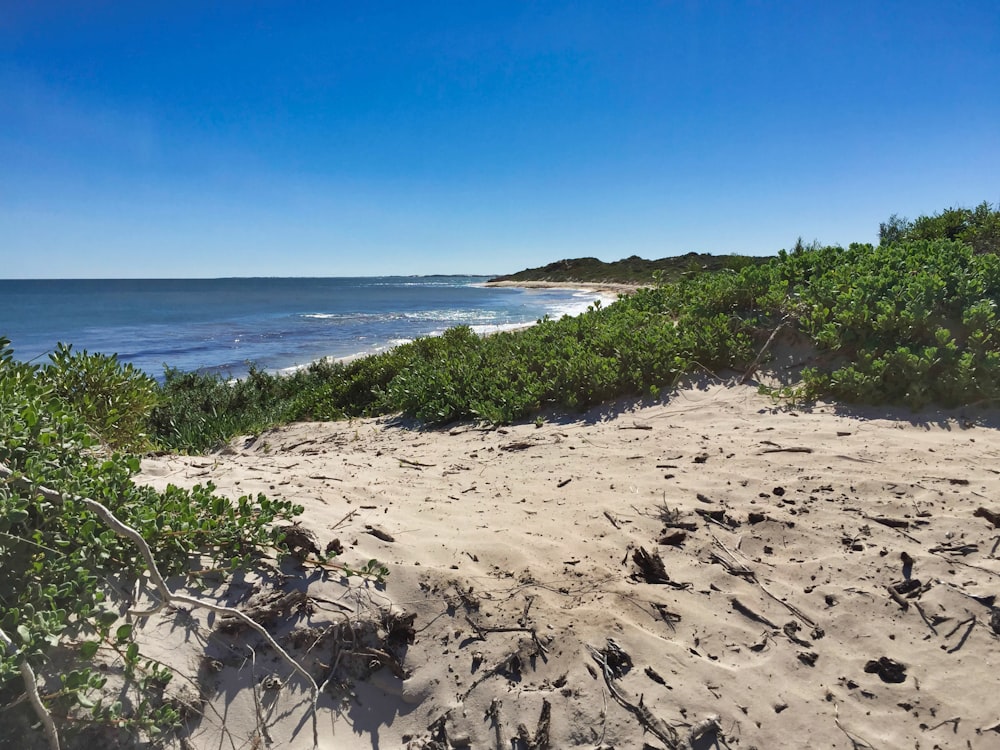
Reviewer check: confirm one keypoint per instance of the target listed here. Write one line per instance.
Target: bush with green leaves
(112, 397)
(977, 227)
(63, 569)
(913, 323)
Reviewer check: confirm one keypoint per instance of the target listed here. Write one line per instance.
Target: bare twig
(31, 687)
(857, 743)
(760, 355)
(167, 597)
(925, 618)
(665, 733)
(493, 714)
(750, 614)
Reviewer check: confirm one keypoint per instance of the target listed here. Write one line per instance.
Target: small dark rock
(888, 670)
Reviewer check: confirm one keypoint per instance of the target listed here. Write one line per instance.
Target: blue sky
(190, 139)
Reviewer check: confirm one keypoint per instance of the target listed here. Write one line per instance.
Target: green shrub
(906, 323)
(112, 398)
(64, 571)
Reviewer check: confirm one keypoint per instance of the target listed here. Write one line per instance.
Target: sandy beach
(710, 571)
(603, 287)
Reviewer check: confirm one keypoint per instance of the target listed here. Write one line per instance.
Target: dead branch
(903, 604)
(857, 743)
(750, 614)
(31, 688)
(708, 725)
(760, 355)
(414, 464)
(493, 714)
(167, 597)
(662, 731)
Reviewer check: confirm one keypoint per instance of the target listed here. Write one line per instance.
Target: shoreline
(606, 287)
(600, 290)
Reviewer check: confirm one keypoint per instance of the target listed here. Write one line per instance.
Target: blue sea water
(221, 325)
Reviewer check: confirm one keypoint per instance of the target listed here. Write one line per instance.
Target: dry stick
(414, 464)
(261, 721)
(31, 687)
(167, 597)
(903, 604)
(336, 661)
(791, 608)
(855, 743)
(750, 614)
(665, 733)
(493, 712)
(925, 618)
(604, 715)
(953, 722)
(968, 565)
(481, 632)
(763, 350)
(752, 576)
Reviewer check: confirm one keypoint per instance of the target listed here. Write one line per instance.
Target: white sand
(514, 540)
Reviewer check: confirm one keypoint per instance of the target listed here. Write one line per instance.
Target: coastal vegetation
(632, 270)
(912, 321)
(909, 322)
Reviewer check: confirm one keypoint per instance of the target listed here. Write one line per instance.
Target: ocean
(221, 325)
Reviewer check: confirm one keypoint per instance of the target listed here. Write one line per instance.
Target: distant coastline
(600, 287)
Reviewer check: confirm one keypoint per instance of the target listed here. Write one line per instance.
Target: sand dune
(825, 582)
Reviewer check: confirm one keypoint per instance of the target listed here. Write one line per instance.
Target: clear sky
(184, 139)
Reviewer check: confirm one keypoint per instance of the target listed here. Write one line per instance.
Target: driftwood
(378, 533)
(750, 614)
(493, 714)
(652, 568)
(266, 610)
(903, 604)
(992, 516)
(892, 523)
(31, 688)
(705, 727)
(651, 723)
(541, 739)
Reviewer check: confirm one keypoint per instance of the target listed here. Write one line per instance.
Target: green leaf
(89, 648)
(123, 633)
(24, 633)
(84, 701)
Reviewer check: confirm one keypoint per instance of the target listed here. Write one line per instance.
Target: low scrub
(66, 575)
(910, 323)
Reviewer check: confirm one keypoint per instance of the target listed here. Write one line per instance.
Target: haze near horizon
(259, 139)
